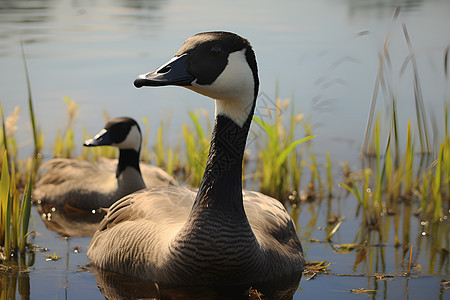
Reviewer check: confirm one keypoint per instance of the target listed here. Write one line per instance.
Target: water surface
(324, 54)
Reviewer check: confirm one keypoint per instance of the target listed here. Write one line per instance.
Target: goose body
(216, 235)
(92, 185)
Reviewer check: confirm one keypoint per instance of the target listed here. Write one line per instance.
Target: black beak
(172, 73)
(101, 139)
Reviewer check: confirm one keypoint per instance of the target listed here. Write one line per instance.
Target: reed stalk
(378, 205)
(329, 168)
(389, 173)
(25, 213)
(5, 139)
(409, 164)
(383, 58)
(38, 142)
(422, 123)
(5, 208)
(437, 195)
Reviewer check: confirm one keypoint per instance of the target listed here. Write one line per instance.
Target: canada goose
(92, 185)
(213, 237)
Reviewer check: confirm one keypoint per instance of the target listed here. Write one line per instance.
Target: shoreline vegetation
(285, 168)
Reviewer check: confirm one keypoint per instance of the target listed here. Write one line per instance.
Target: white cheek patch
(233, 89)
(132, 141)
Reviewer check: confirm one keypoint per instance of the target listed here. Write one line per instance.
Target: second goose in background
(91, 185)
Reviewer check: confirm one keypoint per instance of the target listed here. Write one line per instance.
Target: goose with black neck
(217, 236)
(88, 185)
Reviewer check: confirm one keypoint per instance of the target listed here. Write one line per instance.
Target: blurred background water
(324, 54)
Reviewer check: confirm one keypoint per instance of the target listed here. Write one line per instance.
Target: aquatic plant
(435, 185)
(329, 168)
(276, 158)
(197, 146)
(14, 211)
(38, 138)
(383, 83)
(166, 157)
(64, 142)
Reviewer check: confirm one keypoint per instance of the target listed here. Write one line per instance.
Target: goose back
(168, 250)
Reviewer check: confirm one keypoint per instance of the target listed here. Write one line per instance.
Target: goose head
(220, 65)
(123, 133)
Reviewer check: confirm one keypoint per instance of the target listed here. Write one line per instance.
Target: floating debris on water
(52, 257)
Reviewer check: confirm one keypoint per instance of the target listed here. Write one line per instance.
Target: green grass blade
(437, 196)
(422, 123)
(6, 208)
(409, 159)
(25, 213)
(14, 197)
(159, 147)
(37, 144)
(354, 190)
(269, 129)
(198, 127)
(5, 139)
(329, 175)
(379, 178)
(284, 154)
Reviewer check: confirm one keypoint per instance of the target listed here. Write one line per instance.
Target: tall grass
(422, 122)
(197, 146)
(166, 157)
(38, 138)
(382, 82)
(64, 142)
(399, 172)
(14, 211)
(435, 185)
(6, 159)
(277, 158)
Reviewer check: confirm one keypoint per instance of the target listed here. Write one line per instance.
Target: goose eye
(216, 51)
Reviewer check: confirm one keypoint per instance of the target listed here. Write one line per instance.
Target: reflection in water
(20, 18)
(381, 8)
(43, 21)
(69, 221)
(15, 277)
(380, 243)
(116, 286)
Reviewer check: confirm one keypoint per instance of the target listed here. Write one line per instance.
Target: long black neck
(221, 186)
(127, 158)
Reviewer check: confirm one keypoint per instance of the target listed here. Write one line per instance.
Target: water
(324, 52)
(91, 51)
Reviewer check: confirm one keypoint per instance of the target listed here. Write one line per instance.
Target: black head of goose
(92, 185)
(215, 236)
